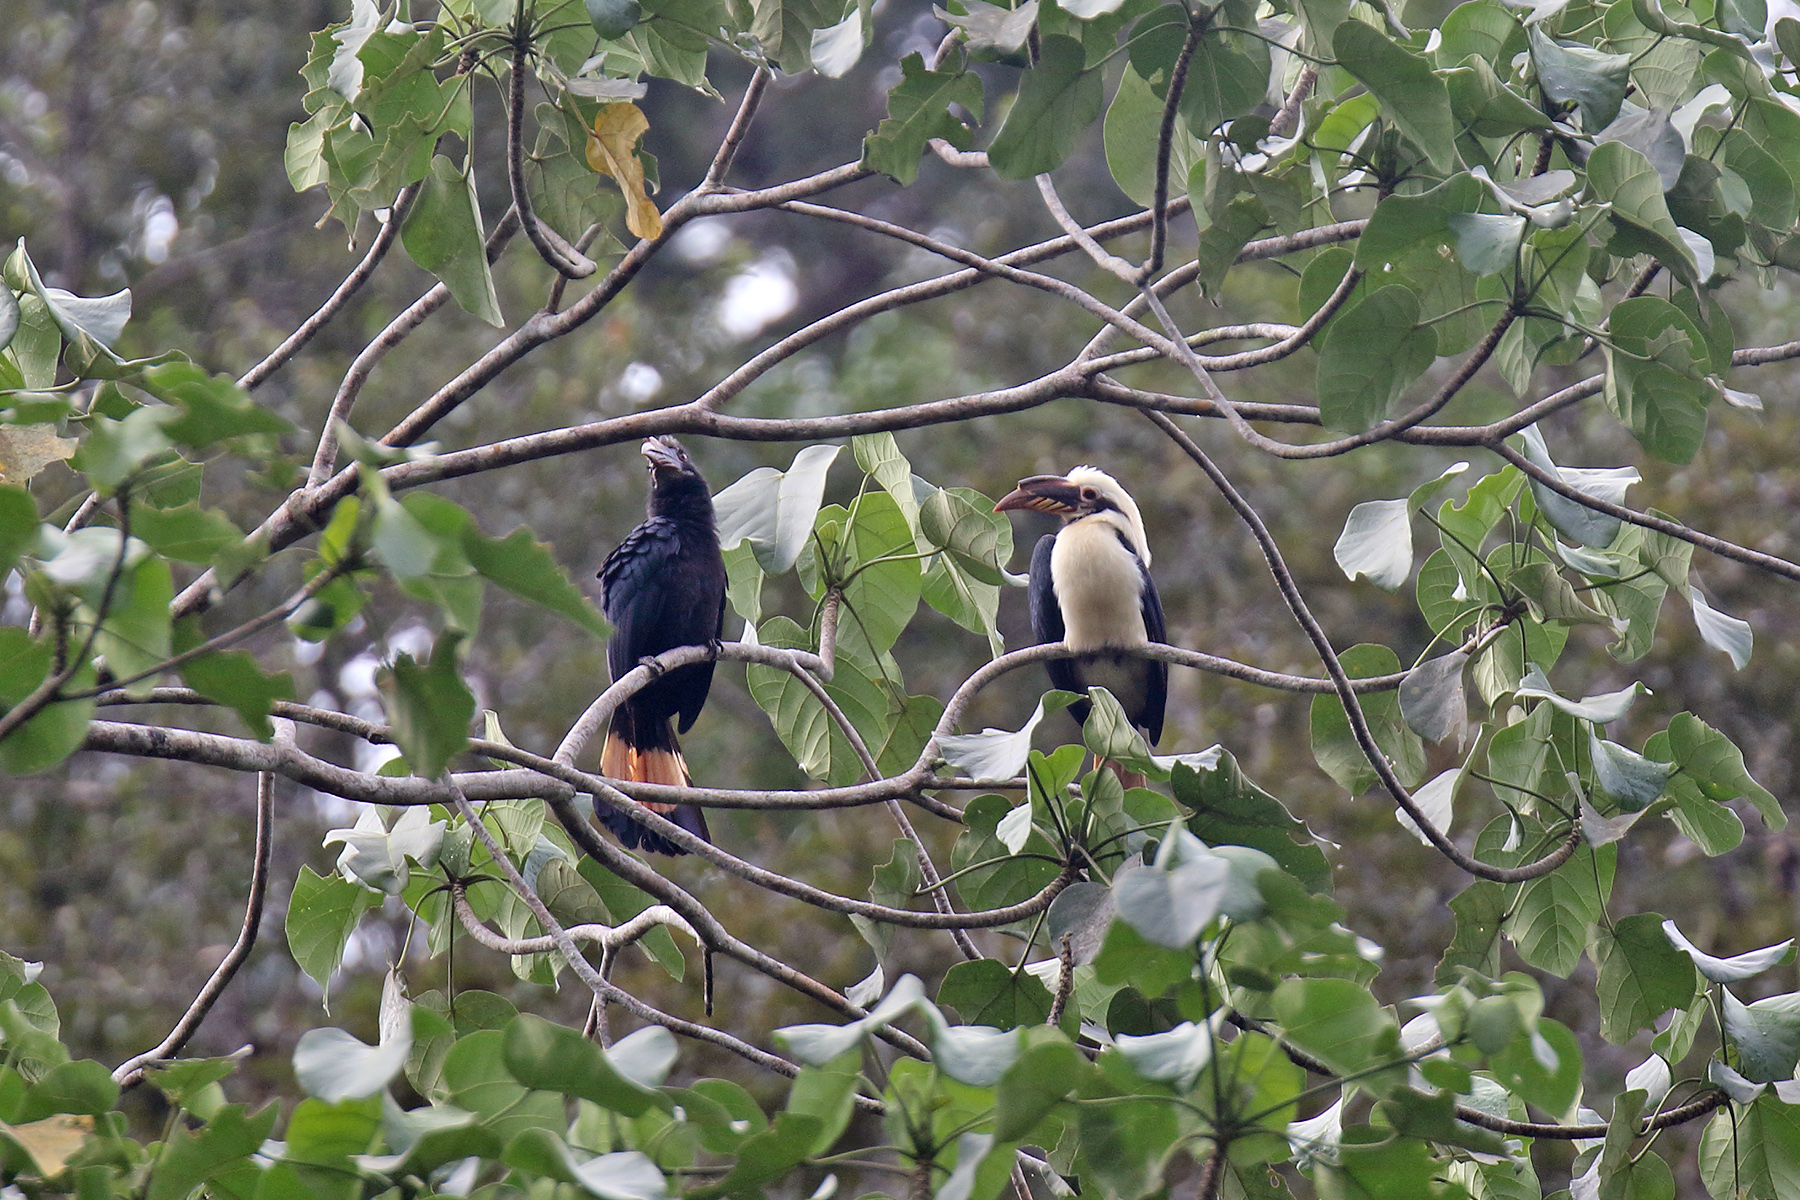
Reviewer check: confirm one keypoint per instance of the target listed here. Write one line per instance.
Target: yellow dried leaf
(52, 1141)
(27, 449)
(610, 146)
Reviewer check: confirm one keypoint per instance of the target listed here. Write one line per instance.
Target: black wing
(1047, 623)
(632, 596)
(664, 587)
(1156, 677)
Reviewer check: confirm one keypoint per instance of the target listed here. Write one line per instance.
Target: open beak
(662, 453)
(1043, 493)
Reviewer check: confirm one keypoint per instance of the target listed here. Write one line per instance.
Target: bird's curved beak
(662, 453)
(1051, 494)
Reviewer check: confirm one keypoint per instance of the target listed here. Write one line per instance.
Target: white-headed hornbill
(663, 587)
(1091, 587)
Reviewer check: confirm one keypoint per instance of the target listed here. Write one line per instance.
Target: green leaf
(1480, 100)
(429, 707)
(213, 407)
(1653, 377)
(442, 233)
(525, 567)
(55, 732)
(1552, 920)
(1171, 902)
(1752, 1150)
(190, 1157)
(18, 524)
(1036, 1082)
(613, 18)
(882, 592)
(985, 992)
(964, 524)
(114, 451)
(235, 679)
(322, 914)
(1544, 1070)
(555, 1058)
(918, 110)
(1412, 97)
(1709, 758)
(1370, 356)
(1765, 1034)
(1337, 1021)
(333, 1065)
(1624, 178)
(1133, 124)
(187, 532)
(1480, 910)
(1581, 78)
(1229, 810)
(1641, 976)
(476, 1076)
(1335, 747)
(774, 510)
(1058, 99)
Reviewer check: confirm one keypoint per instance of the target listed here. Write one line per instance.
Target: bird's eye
(1089, 494)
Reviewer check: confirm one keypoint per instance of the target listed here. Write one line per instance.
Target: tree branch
(131, 1071)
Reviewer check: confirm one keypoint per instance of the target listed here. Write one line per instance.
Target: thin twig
(291, 345)
(1165, 144)
(562, 257)
(584, 970)
(1359, 725)
(397, 331)
(740, 128)
(131, 1071)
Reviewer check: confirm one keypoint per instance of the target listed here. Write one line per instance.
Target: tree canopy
(1341, 291)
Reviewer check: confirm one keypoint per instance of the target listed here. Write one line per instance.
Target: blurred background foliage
(140, 146)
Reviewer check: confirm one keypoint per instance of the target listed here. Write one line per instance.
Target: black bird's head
(1085, 492)
(675, 482)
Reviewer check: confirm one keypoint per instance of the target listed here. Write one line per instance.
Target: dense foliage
(1131, 989)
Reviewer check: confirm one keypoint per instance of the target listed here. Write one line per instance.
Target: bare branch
(1719, 546)
(562, 257)
(131, 1071)
(584, 970)
(291, 345)
(1359, 725)
(1165, 144)
(740, 127)
(415, 315)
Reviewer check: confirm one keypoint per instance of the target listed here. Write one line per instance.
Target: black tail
(646, 752)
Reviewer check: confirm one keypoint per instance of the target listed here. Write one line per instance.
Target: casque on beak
(1051, 494)
(662, 453)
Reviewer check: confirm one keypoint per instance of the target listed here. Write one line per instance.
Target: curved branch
(294, 342)
(561, 257)
(607, 937)
(740, 127)
(604, 988)
(397, 331)
(1359, 725)
(131, 1071)
(1719, 546)
(1165, 143)
(636, 872)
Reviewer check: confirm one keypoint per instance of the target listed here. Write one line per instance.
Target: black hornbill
(1091, 587)
(663, 587)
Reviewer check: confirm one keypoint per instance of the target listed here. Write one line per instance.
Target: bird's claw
(715, 647)
(653, 665)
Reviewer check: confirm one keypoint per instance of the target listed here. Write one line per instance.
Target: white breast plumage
(1098, 586)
